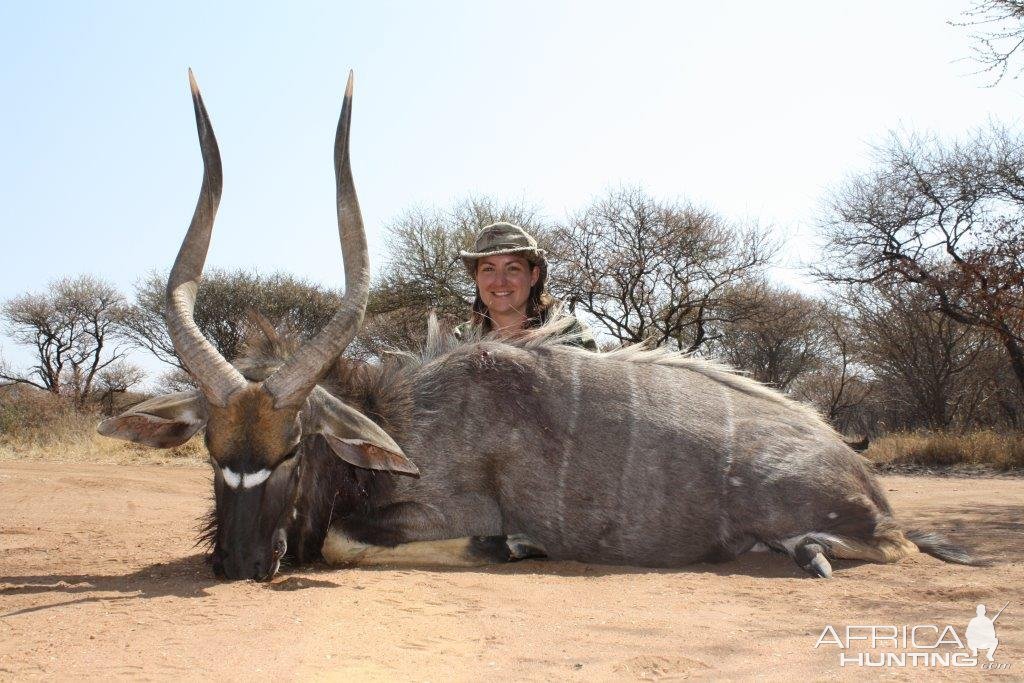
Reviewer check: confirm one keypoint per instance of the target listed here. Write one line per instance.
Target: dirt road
(98, 577)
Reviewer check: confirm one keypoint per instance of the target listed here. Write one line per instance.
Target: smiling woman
(510, 272)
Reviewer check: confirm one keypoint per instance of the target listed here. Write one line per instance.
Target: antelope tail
(941, 547)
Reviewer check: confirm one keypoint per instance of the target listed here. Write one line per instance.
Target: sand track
(99, 577)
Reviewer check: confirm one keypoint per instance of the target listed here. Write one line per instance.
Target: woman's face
(504, 281)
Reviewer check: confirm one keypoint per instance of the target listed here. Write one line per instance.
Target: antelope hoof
(520, 547)
(490, 550)
(810, 556)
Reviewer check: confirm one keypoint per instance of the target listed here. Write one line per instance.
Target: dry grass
(987, 449)
(35, 425)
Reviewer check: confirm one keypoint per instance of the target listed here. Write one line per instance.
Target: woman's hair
(538, 304)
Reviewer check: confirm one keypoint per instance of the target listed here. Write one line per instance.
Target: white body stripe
(729, 442)
(567, 449)
(729, 429)
(631, 448)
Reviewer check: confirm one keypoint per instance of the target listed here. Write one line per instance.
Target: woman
(511, 272)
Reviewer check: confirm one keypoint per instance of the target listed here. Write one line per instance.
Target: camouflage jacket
(578, 332)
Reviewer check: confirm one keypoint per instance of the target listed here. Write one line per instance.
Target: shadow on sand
(188, 577)
(993, 530)
(191, 577)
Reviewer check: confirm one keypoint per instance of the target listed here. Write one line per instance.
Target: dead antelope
(637, 457)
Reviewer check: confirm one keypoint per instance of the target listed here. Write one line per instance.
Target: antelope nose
(230, 569)
(261, 572)
(242, 566)
(234, 570)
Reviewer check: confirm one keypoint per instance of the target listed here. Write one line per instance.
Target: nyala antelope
(490, 450)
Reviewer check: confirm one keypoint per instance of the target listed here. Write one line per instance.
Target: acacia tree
(946, 218)
(116, 378)
(72, 328)
(651, 270)
(925, 363)
(777, 336)
(838, 386)
(223, 305)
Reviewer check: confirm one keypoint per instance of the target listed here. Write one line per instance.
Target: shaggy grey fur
(639, 456)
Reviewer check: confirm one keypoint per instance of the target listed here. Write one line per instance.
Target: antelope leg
(810, 557)
(522, 547)
(468, 551)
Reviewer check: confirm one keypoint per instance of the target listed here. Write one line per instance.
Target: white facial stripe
(255, 479)
(232, 479)
(247, 481)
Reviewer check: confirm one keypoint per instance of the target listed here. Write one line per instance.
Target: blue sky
(751, 108)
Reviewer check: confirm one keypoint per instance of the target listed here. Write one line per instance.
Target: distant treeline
(921, 326)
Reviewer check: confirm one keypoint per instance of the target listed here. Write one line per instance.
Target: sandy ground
(99, 577)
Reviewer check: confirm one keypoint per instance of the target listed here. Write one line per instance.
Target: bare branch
(71, 328)
(999, 37)
(646, 269)
(945, 216)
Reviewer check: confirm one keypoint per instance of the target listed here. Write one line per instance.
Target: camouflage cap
(503, 238)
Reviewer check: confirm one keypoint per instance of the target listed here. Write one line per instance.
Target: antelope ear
(163, 422)
(355, 438)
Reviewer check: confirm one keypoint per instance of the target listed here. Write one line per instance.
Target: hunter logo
(981, 633)
(920, 645)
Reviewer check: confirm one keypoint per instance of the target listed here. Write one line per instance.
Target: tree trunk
(1016, 353)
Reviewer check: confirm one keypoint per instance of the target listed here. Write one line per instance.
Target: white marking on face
(231, 478)
(255, 479)
(234, 479)
(735, 481)
(832, 515)
(295, 513)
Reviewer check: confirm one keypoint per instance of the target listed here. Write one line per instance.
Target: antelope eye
(279, 548)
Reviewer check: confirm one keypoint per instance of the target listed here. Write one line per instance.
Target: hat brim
(469, 258)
